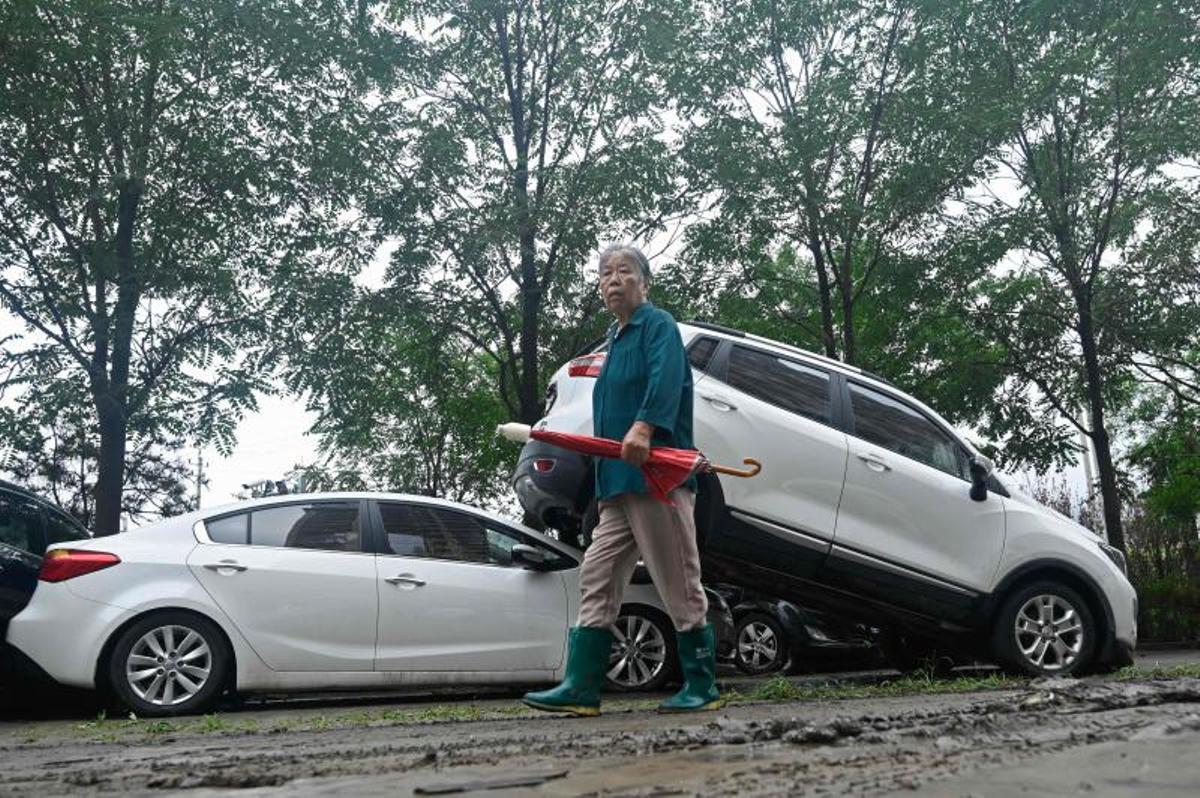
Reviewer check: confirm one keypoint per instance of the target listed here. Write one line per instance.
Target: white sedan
(316, 592)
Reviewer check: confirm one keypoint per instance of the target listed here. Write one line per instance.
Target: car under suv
(869, 505)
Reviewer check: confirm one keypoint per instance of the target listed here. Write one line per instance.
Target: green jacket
(646, 377)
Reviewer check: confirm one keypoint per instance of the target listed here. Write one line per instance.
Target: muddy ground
(1096, 736)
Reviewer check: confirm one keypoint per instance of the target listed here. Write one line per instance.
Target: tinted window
(332, 527)
(414, 530)
(897, 427)
(20, 524)
(799, 389)
(700, 353)
(230, 529)
(60, 529)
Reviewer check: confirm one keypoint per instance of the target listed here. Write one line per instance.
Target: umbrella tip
(517, 433)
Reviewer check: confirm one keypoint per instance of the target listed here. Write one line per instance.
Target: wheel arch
(1073, 577)
(101, 667)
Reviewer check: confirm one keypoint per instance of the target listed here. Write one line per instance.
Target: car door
(780, 411)
(451, 598)
(21, 546)
(295, 580)
(908, 531)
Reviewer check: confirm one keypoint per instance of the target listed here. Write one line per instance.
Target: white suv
(868, 504)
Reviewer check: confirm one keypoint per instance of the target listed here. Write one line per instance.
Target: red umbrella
(665, 469)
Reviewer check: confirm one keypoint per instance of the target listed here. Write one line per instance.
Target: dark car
(773, 635)
(28, 524)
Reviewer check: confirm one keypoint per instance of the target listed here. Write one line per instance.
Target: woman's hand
(635, 448)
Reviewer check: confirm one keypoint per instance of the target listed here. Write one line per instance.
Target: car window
(230, 529)
(325, 526)
(416, 530)
(700, 353)
(20, 524)
(61, 529)
(785, 383)
(896, 426)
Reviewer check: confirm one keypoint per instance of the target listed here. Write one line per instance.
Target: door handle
(718, 403)
(874, 463)
(224, 565)
(405, 579)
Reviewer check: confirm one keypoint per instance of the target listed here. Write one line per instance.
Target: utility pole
(199, 475)
(1089, 474)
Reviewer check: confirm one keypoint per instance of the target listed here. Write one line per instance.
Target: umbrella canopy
(664, 470)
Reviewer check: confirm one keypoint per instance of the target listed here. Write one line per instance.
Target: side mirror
(981, 468)
(531, 557)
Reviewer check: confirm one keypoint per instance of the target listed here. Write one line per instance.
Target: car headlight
(1114, 554)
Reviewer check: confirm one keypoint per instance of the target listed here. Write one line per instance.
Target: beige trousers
(666, 538)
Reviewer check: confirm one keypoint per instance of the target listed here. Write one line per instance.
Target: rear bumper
(61, 634)
(553, 493)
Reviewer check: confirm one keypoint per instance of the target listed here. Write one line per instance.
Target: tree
(526, 133)
(402, 404)
(50, 446)
(833, 130)
(162, 163)
(1100, 98)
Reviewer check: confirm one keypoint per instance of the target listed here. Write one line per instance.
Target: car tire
(644, 654)
(1044, 629)
(169, 663)
(760, 645)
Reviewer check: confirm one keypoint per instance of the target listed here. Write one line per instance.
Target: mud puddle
(967, 743)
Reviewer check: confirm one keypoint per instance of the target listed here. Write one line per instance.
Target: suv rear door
(780, 411)
(908, 532)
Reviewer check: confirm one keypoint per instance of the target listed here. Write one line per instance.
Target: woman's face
(622, 286)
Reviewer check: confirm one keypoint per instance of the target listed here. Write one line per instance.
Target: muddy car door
(908, 532)
(780, 410)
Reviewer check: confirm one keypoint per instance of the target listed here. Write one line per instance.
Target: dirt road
(1106, 736)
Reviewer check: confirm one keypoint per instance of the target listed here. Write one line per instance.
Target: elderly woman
(642, 397)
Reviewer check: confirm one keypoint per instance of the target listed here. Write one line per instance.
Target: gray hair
(635, 254)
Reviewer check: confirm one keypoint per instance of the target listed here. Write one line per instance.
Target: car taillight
(587, 365)
(542, 465)
(62, 564)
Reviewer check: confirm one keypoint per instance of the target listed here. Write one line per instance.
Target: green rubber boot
(698, 660)
(588, 651)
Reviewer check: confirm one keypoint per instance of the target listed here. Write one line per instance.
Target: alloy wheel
(1049, 632)
(168, 665)
(758, 646)
(639, 652)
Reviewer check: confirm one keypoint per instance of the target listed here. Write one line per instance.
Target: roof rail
(716, 328)
(730, 331)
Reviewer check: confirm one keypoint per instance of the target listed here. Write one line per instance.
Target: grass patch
(781, 689)
(1182, 671)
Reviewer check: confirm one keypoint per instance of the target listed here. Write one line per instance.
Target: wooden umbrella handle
(754, 468)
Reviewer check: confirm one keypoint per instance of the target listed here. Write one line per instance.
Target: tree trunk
(110, 478)
(846, 284)
(110, 391)
(825, 295)
(1109, 492)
